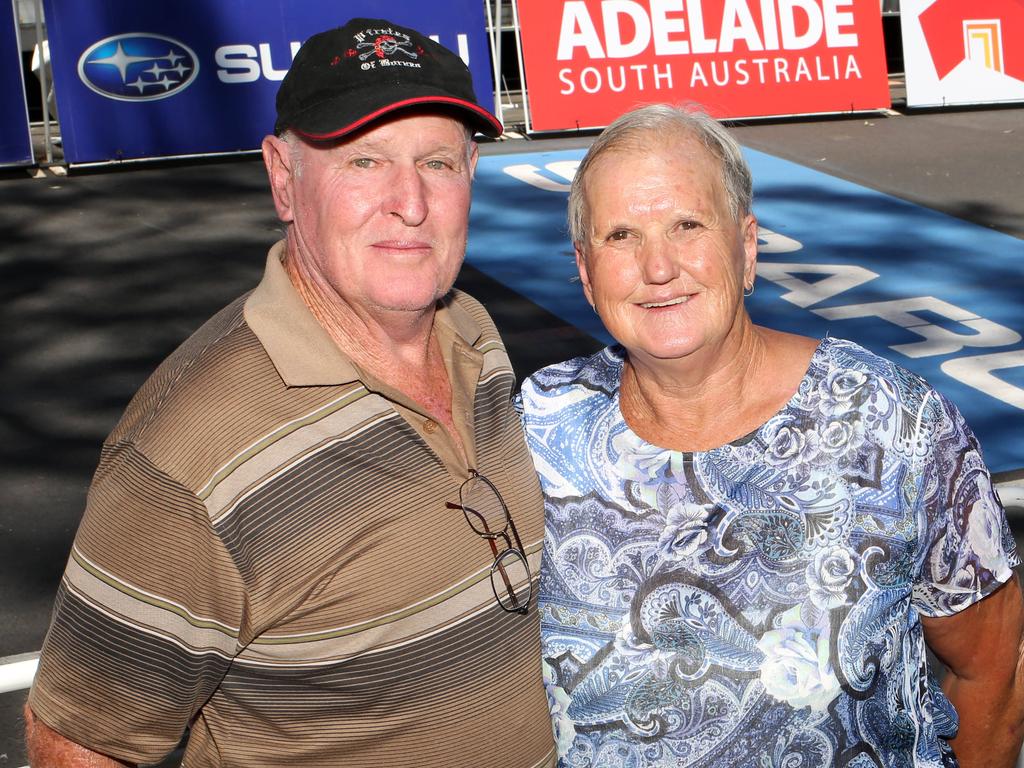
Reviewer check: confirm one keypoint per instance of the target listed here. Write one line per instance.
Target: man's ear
(277, 157)
(474, 155)
(581, 265)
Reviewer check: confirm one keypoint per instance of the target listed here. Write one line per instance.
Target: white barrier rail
(16, 672)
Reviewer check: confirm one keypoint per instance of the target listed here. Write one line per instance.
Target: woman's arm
(983, 648)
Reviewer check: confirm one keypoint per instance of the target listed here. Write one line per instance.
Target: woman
(752, 535)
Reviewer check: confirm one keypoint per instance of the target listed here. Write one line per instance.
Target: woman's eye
(687, 225)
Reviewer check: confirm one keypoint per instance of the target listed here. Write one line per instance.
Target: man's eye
(438, 165)
(363, 162)
(619, 234)
(687, 225)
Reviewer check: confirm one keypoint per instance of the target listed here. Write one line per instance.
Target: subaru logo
(138, 67)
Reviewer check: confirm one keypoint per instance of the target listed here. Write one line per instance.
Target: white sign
(957, 52)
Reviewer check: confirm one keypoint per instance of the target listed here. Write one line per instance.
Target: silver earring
(748, 291)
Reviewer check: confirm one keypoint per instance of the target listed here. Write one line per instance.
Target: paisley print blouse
(758, 604)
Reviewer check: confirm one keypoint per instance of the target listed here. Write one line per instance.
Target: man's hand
(48, 749)
(983, 647)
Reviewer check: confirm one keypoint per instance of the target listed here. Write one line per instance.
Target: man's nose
(406, 195)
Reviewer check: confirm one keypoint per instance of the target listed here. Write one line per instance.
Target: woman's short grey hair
(658, 123)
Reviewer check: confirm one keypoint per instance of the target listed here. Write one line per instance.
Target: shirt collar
(302, 351)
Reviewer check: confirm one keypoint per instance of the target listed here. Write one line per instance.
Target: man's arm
(48, 749)
(982, 647)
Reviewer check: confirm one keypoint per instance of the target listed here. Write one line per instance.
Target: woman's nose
(656, 262)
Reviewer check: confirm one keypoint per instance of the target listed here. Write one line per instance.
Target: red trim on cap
(480, 111)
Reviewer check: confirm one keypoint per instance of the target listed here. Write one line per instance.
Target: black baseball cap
(345, 78)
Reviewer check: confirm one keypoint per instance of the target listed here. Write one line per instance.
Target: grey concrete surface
(968, 163)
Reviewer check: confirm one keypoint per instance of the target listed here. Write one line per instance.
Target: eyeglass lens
(484, 509)
(510, 579)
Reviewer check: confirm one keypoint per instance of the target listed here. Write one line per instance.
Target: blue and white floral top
(758, 604)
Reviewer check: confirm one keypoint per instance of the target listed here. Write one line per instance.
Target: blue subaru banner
(15, 140)
(935, 294)
(139, 80)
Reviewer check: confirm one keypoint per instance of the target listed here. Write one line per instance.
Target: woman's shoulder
(843, 354)
(598, 373)
(841, 362)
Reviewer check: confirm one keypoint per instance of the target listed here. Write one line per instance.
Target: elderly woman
(752, 537)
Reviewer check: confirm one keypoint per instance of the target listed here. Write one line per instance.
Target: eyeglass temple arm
(494, 546)
(522, 550)
(490, 537)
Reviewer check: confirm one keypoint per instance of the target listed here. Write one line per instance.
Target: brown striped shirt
(266, 557)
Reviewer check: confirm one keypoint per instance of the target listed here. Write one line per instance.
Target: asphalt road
(103, 273)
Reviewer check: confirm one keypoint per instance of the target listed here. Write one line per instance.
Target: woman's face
(664, 263)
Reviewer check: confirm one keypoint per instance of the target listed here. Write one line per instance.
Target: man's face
(378, 221)
(664, 261)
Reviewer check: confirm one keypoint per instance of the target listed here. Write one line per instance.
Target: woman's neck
(716, 395)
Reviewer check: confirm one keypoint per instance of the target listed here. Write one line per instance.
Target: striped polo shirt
(266, 557)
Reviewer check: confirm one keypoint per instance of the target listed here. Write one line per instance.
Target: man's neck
(381, 341)
(399, 349)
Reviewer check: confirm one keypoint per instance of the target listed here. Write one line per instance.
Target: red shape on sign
(587, 61)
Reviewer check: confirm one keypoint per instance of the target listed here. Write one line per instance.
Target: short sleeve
(146, 619)
(967, 550)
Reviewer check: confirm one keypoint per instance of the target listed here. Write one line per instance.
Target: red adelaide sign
(588, 61)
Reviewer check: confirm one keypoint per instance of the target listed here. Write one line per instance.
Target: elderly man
(311, 537)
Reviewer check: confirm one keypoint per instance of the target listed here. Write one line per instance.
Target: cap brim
(472, 114)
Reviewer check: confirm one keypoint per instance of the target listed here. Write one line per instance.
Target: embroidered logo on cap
(385, 47)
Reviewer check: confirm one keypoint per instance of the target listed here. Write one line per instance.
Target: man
(275, 551)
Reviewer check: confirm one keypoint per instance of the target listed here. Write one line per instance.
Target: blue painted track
(944, 294)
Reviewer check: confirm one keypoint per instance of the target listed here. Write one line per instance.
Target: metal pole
(44, 81)
(497, 60)
(495, 57)
(522, 72)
